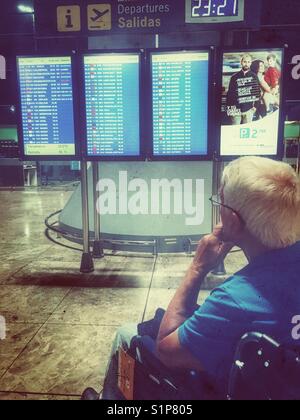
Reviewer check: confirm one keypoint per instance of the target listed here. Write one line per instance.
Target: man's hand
(210, 252)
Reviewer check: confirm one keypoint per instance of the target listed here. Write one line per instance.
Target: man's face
(246, 63)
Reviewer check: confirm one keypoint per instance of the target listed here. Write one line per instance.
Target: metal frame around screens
(111, 158)
(218, 19)
(211, 95)
(76, 114)
(280, 136)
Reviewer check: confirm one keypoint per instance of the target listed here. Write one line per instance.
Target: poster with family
(251, 98)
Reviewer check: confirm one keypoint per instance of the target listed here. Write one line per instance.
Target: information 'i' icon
(68, 18)
(69, 23)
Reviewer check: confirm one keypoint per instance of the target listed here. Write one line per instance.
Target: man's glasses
(216, 201)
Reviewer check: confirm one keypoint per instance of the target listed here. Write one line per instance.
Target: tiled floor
(60, 323)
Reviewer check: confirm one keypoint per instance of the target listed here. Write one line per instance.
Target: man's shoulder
(235, 289)
(235, 279)
(226, 301)
(237, 75)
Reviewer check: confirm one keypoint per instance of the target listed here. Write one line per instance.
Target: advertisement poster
(251, 98)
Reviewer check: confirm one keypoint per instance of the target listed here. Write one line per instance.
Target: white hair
(266, 194)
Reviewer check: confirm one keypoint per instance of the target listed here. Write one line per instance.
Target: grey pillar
(87, 264)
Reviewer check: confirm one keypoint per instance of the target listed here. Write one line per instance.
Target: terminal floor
(60, 323)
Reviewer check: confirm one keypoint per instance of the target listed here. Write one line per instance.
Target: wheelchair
(262, 370)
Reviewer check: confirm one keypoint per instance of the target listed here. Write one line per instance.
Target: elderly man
(260, 212)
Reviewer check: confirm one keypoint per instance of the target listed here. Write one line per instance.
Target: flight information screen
(112, 96)
(47, 111)
(180, 103)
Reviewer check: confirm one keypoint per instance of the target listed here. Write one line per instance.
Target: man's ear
(233, 226)
(237, 226)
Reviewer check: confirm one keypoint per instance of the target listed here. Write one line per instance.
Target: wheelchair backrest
(264, 370)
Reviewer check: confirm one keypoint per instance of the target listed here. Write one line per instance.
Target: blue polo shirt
(263, 297)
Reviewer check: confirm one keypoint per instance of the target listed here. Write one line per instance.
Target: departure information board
(180, 86)
(47, 108)
(112, 103)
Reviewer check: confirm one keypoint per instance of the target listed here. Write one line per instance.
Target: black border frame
(69, 158)
(211, 102)
(280, 135)
(83, 126)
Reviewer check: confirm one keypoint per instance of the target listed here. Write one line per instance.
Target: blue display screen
(215, 8)
(112, 95)
(180, 103)
(46, 93)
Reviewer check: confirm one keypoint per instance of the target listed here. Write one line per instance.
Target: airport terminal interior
(116, 122)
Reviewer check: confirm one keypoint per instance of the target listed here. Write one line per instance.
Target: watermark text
(2, 328)
(2, 67)
(296, 329)
(296, 68)
(152, 197)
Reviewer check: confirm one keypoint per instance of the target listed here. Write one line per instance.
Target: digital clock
(214, 11)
